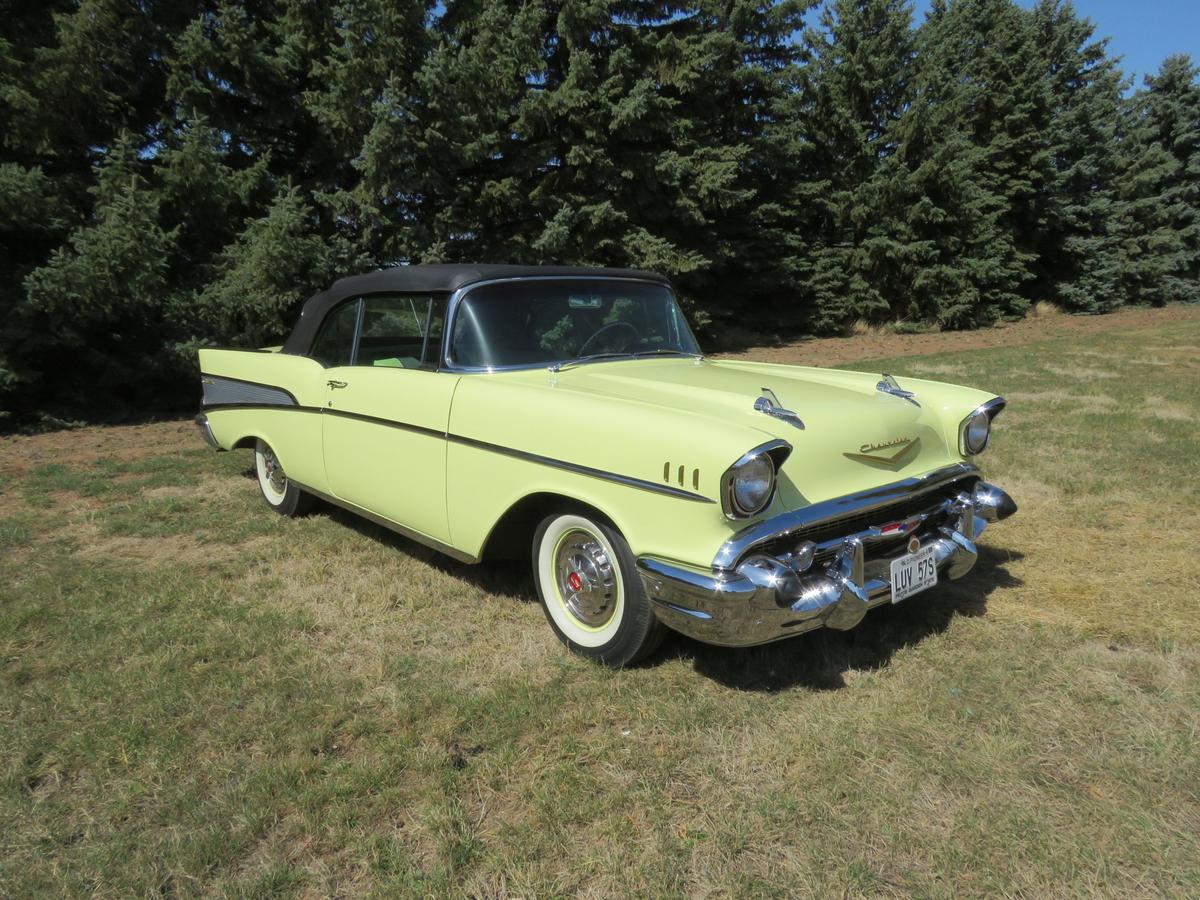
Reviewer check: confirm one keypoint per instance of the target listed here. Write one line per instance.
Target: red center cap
(574, 581)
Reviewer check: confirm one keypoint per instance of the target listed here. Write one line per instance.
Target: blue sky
(1144, 32)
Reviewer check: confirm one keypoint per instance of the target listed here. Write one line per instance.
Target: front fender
(654, 472)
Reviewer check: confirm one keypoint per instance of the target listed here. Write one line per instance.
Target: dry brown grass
(1093, 402)
(197, 696)
(890, 346)
(1080, 373)
(1169, 410)
(863, 328)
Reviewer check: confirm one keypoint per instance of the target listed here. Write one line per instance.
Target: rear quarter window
(334, 344)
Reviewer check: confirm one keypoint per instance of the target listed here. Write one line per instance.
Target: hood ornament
(889, 385)
(768, 404)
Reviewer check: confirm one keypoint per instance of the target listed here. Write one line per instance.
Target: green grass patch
(16, 531)
(206, 519)
(200, 697)
(109, 476)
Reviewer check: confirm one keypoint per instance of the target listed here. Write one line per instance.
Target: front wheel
(281, 494)
(590, 591)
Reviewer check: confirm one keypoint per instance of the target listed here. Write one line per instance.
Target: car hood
(854, 436)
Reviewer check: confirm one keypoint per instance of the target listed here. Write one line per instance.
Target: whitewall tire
(590, 591)
(281, 494)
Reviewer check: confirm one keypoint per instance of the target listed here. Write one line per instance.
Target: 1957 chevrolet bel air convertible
(567, 413)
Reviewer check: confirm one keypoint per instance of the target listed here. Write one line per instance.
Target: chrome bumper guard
(766, 597)
(201, 421)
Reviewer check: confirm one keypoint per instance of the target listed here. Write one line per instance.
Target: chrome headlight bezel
(771, 454)
(980, 419)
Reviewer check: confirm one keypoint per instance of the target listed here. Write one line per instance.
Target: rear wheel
(590, 591)
(281, 494)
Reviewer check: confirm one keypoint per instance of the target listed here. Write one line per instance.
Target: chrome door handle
(336, 384)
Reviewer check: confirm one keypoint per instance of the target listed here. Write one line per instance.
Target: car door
(386, 411)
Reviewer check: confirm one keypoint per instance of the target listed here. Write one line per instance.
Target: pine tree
(204, 198)
(440, 164)
(987, 50)
(947, 224)
(73, 77)
(1160, 187)
(1078, 252)
(654, 124)
(854, 94)
(377, 50)
(592, 133)
(33, 221)
(173, 174)
(92, 321)
(278, 260)
(244, 68)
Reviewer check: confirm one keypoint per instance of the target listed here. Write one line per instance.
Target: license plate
(913, 573)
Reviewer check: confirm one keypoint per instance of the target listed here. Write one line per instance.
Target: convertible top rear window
(539, 322)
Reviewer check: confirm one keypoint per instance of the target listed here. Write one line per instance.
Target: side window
(401, 331)
(334, 344)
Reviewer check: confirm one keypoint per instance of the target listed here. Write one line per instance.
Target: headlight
(977, 427)
(753, 483)
(975, 433)
(748, 486)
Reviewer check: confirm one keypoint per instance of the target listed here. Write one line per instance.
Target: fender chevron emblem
(876, 452)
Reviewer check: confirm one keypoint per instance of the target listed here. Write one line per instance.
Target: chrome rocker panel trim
(403, 531)
(769, 598)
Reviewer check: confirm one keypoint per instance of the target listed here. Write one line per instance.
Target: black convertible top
(429, 279)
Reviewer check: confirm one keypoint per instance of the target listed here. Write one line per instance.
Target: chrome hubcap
(274, 471)
(586, 581)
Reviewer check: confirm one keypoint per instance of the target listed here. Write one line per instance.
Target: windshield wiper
(657, 351)
(591, 357)
(623, 354)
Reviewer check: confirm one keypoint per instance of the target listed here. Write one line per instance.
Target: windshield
(538, 322)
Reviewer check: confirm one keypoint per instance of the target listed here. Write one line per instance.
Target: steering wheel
(611, 326)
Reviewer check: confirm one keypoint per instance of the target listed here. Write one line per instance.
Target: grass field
(199, 697)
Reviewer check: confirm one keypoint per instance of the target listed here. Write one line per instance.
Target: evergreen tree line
(180, 173)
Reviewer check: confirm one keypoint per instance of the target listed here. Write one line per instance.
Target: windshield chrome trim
(447, 365)
(784, 524)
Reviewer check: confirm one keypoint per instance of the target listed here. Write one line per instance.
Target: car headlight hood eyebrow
(975, 431)
(748, 486)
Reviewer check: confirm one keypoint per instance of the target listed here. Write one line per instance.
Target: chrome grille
(834, 529)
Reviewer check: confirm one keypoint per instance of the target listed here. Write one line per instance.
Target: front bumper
(781, 584)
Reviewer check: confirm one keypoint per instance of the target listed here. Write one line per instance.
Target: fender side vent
(681, 475)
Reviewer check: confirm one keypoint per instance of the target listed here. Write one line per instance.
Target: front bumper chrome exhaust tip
(992, 503)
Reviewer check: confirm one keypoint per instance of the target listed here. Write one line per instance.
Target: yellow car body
(459, 456)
